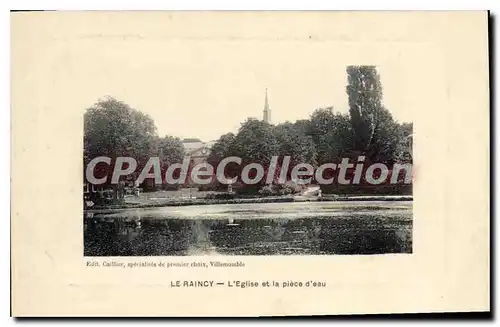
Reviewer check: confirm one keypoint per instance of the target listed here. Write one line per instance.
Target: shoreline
(192, 202)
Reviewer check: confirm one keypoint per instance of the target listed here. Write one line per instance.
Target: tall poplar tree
(365, 103)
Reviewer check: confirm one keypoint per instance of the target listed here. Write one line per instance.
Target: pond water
(307, 228)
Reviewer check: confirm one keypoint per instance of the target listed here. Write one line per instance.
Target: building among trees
(197, 150)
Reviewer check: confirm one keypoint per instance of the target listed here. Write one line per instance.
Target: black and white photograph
(321, 166)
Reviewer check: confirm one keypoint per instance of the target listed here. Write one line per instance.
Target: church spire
(267, 111)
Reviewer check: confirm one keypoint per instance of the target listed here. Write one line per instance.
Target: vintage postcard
(249, 163)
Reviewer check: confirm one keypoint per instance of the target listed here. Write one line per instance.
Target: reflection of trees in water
(267, 236)
(200, 239)
(302, 236)
(364, 235)
(146, 237)
(100, 238)
(243, 233)
(150, 237)
(162, 237)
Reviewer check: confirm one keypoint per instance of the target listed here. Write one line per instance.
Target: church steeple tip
(267, 111)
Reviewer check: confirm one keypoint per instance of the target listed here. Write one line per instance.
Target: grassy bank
(187, 202)
(334, 197)
(154, 200)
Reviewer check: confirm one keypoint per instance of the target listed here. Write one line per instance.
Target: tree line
(112, 128)
(327, 136)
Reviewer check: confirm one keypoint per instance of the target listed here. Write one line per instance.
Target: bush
(289, 188)
(285, 191)
(267, 190)
(281, 189)
(243, 189)
(171, 187)
(214, 186)
(206, 187)
(219, 196)
(387, 189)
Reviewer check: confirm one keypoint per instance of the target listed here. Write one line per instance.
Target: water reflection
(149, 236)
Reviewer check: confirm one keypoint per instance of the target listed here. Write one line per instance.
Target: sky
(200, 78)
(195, 92)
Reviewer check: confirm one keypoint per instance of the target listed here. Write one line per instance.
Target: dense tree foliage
(114, 129)
(364, 91)
(221, 148)
(293, 141)
(332, 134)
(376, 134)
(255, 142)
(328, 136)
(171, 150)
